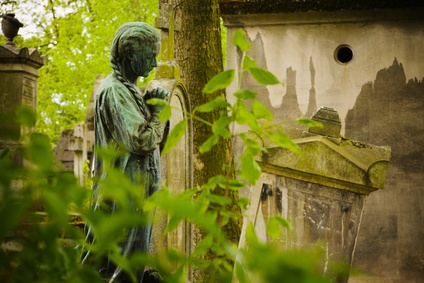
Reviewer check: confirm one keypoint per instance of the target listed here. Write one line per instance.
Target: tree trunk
(198, 52)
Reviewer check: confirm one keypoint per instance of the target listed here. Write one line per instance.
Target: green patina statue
(124, 120)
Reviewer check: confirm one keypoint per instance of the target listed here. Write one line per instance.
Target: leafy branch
(258, 119)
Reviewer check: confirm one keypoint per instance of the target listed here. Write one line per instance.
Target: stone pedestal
(321, 191)
(18, 86)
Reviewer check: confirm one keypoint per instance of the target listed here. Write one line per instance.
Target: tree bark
(198, 51)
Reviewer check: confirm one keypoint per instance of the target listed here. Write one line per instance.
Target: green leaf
(157, 101)
(263, 76)
(282, 140)
(189, 193)
(241, 274)
(240, 40)
(222, 182)
(250, 170)
(111, 227)
(273, 228)
(173, 223)
(213, 182)
(209, 143)
(251, 237)
(283, 222)
(226, 215)
(220, 127)
(243, 202)
(219, 81)
(260, 111)
(309, 123)
(244, 116)
(40, 151)
(251, 145)
(179, 275)
(274, 225)
(226, 266)
(245, 94)
(235, 185)
(174, 136)
(204, 245)
(55, 207)
(248, 63)
(26, 116)
(221, 200)
(11, 212)
(165, 114)
(8, 127)
(213, 104)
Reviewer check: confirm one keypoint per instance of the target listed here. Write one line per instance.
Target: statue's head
(135, 47)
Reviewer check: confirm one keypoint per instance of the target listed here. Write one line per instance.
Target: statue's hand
(158, 93)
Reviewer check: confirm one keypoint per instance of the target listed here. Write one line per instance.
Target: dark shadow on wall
(256, 52)
(390, 111)
(289, 109)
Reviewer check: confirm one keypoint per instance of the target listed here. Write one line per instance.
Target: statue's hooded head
(135, 47)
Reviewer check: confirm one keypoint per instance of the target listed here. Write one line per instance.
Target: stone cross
(167, 67)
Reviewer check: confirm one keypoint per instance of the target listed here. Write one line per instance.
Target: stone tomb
(321, 191)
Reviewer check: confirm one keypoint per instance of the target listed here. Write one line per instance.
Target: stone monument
(321, 191)
(168, 77)
(18, 81)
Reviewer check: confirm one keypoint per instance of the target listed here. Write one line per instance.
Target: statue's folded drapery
(120, 121)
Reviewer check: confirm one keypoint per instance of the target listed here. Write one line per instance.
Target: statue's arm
(128, 126)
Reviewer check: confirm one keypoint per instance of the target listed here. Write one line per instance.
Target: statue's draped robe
(120, 122)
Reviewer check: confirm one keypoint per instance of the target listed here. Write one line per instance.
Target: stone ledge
(13, 54)
(242, 7)
(343, 164)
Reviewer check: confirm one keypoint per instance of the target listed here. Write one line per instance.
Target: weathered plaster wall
(379, 96)
(305, 44)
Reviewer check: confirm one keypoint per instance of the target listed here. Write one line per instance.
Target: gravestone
(321, 191)
(81, 143)
(18, 82)
(74, 149)
(176, 165)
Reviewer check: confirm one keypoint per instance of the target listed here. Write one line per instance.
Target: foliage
(75, 38)
(48, 246)
(7, 5)
(33, 249)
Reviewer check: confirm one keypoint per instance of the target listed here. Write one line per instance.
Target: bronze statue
(124, 120)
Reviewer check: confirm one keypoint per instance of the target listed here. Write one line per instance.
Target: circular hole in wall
(343, 54)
